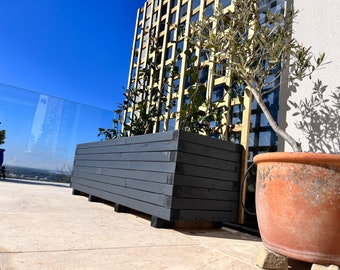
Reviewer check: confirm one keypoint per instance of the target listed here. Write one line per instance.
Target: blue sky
(73, 49)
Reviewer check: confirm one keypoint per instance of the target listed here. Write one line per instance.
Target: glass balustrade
(42, 132)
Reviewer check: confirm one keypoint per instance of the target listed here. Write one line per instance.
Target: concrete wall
(316, 25)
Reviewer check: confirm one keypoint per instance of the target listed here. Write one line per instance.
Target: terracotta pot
(298, 205)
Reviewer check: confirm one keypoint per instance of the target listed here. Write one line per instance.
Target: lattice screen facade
(160, 22)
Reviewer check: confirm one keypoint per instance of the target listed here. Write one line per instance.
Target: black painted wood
(173, 176)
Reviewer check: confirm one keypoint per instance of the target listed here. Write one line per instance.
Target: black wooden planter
(173, 176)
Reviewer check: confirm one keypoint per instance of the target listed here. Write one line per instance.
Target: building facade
(159, 42)
(164, 24)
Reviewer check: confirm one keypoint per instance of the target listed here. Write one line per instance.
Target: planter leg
(76, 192)
(160, 223)
(270, 260)
(93, 198)
(121, 208)
(322, 267)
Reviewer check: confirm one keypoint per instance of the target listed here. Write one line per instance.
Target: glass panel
(175, 85)
(173, 3)
(218, 92)
(179, 65)
(172, 18)
(203, 75)
(168, 53)
(148, 9)
(137, 43)
(164, 9)
(225, 3)
(195, 4)
(161, 126)
(172, 124)
(209, 10)
(195, 17)
(204, 55)
(43, 131)
(186, 100)
(183, 11)
(171, 35)
(141, 16)
(174, 105)
(180, 46)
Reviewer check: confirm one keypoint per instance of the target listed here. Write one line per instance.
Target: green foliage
(258, 47)
(146, 104)
(200, 115)
(320, 119)
(2, 136)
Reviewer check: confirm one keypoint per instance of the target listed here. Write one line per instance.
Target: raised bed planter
(172, 176)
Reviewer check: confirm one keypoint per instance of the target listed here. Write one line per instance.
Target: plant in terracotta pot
(2, 141)
(297, 194)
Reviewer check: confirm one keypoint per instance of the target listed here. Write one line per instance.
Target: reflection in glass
(43, 131)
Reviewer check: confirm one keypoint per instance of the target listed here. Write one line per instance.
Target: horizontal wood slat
(171, 175)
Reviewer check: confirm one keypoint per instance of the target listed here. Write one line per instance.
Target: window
(179, 65)
(147, 23)
(148, 9)
(153, 32)
(161, 126)
(180, 46)
(162, 26)
(135, 57)
(143, 53)
(236, 114)
(146, 37)
(186, 101)
(173, 105)
(204, 55)
(195, 17)
(203, 74)
(181, 29)
(133, 73)
(173, 3)
(139, 29)
(164, 8)
(220, 70)
(183, 11)
(195, 4)
(154, 17)
(209, 10)
(171, 35)
(172, 18)
(141, 16)
(168, 53)
(172, 124)
(160, 41)
(175, 86)
(137, 43)
(225, 3)
(237, 89)
(218, 92)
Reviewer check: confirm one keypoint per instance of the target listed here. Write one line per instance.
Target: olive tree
(256, 44)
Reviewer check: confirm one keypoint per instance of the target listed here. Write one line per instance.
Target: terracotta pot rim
(298, 157)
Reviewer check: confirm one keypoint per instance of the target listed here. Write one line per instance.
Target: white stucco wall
(317, 25)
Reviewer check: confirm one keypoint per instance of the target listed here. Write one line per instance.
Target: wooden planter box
(172, 176)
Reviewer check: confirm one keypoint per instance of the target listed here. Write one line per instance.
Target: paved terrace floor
(43, 226)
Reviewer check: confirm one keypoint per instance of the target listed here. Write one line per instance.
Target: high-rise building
(159, 42)
(163, 24)
(161, 27)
